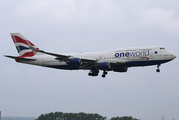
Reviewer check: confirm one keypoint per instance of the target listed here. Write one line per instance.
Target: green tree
(123, 118)
(78, 116)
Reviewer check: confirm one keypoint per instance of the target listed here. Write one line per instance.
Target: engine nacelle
(104, 65)
(123, 69)
(74, 61)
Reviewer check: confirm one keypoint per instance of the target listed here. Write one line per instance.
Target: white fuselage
(128, 57)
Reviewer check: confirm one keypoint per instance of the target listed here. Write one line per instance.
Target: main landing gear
(158, 69)
(95, 73)
(104, 74)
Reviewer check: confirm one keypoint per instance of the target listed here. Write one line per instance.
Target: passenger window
(162, 48)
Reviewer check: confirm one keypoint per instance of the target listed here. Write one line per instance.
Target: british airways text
(133, 54)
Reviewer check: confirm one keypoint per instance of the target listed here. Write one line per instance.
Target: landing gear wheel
(93, 73)
(158, 70)
(105, 73)
(103, 76)
(90, 74)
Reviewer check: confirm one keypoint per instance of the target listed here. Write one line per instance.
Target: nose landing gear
(158, 69)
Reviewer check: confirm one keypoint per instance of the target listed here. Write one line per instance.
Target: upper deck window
(162, 48)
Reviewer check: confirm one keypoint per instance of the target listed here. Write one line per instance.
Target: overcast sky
(70, 26)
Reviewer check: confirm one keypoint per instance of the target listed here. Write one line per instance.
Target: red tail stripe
(17, 39)
(28, 54)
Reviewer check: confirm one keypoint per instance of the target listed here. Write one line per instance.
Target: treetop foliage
(78, 116)
(123, 118)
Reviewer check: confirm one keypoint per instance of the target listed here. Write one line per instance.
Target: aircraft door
(100, 57)
(43, 62)
(151, 55)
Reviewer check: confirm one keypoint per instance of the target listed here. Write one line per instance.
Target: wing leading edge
(66, 58)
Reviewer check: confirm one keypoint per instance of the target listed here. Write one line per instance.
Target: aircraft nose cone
(174, 56)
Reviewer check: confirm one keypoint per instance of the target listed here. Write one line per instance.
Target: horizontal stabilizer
(20, 58)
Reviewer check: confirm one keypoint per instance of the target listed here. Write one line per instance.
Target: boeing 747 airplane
(118, 60)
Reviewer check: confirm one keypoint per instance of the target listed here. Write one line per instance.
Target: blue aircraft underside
(144, 63)
(126, 64)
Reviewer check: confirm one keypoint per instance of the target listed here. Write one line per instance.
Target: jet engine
(104, 65)
(122, 69)
(74, 61)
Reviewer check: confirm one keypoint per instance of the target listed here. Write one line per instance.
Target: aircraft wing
(59, 56)
(65, 57)
(87, 62)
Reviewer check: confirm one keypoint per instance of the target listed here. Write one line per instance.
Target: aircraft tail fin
(22, 45)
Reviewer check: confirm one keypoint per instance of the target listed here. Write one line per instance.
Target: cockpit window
(162, 48)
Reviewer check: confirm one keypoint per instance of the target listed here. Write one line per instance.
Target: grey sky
(68, 26)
